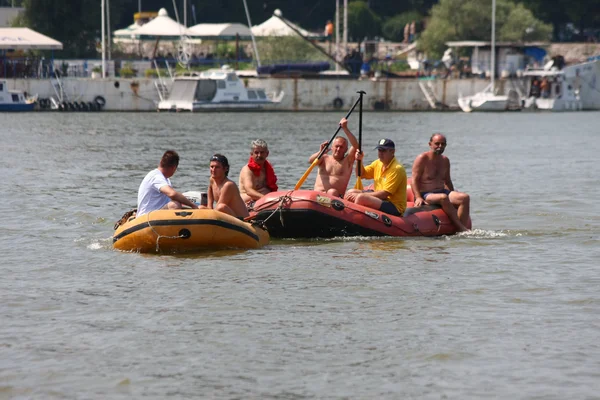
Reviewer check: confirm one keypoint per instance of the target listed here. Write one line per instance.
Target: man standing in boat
(335, 170)
(155, 191)
(223, 190)
(389, 188)
(257, 178)
(431, 183)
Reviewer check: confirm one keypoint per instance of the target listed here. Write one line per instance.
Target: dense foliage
(77, 23)
(471, 20)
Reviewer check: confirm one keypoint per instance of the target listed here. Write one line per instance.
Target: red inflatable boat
(311, 214)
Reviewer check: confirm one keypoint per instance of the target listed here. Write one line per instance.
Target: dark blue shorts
(425, 194)
(389, 208)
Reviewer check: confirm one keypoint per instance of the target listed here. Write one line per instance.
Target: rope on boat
(282, 200)
(158, 235)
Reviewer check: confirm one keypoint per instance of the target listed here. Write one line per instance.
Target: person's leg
(172, 205)
(463, 202)
(389, 208)
(364, 199)
(443, 200)
(224, 208)
(352, 194)
(333, 192)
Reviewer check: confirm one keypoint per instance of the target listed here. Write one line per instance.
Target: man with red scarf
(257, 178)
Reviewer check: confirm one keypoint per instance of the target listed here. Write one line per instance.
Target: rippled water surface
(511, 310)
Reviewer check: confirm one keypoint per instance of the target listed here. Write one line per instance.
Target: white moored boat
(214, 89)
(487, 100)
(561, 96)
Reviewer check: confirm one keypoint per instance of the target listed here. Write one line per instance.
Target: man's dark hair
(169, 159)
(223, 160)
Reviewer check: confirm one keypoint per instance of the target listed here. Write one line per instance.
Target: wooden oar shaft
(323, 150)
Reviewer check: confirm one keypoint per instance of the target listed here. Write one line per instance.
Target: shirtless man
(335, 170)
(431, 183)
(257, 178)
(223, 190)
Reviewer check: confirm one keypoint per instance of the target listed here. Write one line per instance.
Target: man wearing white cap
(389, 189)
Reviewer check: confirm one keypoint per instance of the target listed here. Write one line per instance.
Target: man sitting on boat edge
(155, 191)
(389, 176)
(431, 183)
(335, 170)
(257, 178)
(223, 190)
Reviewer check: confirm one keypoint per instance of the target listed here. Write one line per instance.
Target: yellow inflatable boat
(174, 231)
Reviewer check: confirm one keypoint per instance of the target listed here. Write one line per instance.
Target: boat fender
(337, 205)
(91, 106)
(338, 103)
(436, 220)
(185, 234)
(100, 101)
(386, 220)
(379, 105)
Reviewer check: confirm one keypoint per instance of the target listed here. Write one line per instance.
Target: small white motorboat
(214, 89)
(15, 100)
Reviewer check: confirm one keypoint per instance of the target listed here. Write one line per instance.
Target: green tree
(471, 20)
(287, 48)
(74, 23)
(521, 25)
(393, 28)
(362, 21)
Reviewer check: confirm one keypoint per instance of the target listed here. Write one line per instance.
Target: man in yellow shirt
(389, 194)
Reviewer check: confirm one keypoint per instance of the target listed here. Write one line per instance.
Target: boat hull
(176, 231)
(311, 214)
(17, 107)
(209, 106)
(479, 103)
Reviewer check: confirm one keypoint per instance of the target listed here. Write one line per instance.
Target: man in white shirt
(156, 192)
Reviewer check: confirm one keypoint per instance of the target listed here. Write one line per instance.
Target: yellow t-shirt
(393, 181)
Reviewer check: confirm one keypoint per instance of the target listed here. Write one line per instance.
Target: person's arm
(447, 179)
(312, 158)
(351, 138)
(359, 155)
(248, 184)
(227, 192)
(176, 196)
(210, 202)
(417, 174)
(394, 180)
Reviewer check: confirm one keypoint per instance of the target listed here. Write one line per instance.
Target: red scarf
(269, 173)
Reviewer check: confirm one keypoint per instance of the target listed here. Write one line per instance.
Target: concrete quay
(141, 94)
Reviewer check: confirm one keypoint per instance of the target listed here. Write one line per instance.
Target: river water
(511, 310)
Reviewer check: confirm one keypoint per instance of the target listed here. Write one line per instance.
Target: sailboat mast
(251, 34)
(493, 43)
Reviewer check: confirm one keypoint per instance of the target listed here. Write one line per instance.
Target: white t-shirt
(150, 197)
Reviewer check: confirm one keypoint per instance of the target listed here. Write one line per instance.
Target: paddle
(316, 161)
(359, 184)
